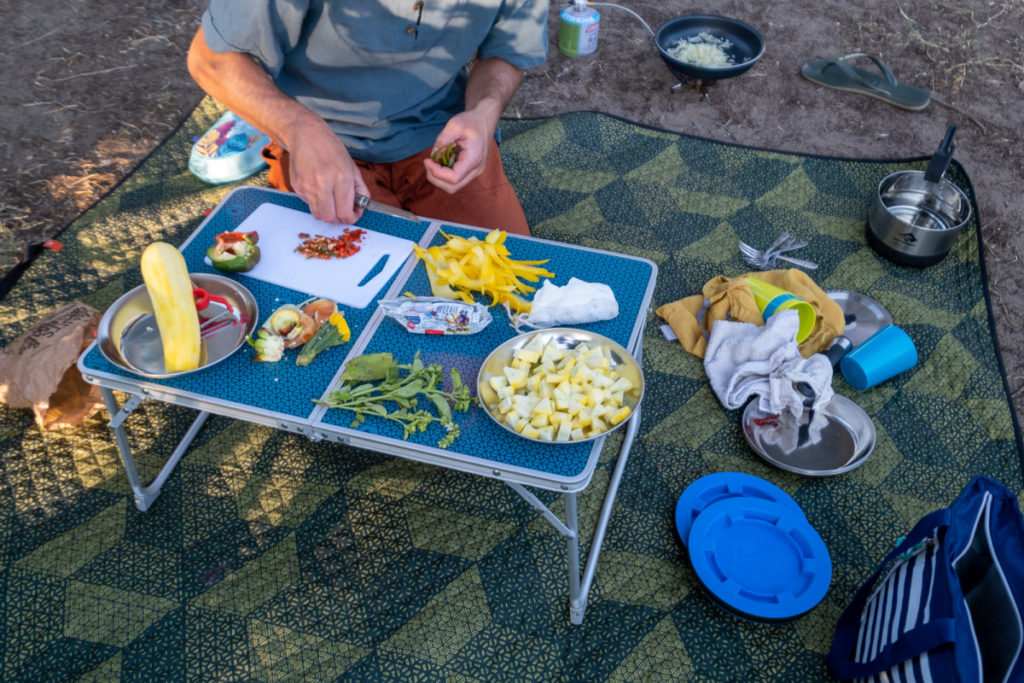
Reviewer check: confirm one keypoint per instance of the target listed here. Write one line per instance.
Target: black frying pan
(747, 45)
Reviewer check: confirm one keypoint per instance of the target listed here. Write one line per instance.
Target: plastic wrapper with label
(436, 315)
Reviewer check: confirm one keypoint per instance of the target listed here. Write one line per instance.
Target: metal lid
(864, 315)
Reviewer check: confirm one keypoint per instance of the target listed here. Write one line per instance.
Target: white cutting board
(337, 278)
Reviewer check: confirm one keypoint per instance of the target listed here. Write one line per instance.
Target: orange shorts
(489, 201)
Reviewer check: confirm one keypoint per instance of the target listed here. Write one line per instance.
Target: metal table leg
(579, 587)
(144, 494)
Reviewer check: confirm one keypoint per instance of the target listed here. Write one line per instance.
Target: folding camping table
(280, 394)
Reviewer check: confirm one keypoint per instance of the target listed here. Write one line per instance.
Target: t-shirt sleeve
(519, 34)
(266, 30)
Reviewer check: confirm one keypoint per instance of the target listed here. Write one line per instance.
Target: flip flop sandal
(838, 74)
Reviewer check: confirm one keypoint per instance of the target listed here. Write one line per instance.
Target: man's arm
(322, 171)
(491, 85)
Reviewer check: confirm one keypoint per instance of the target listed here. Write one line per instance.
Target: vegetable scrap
(235, 252)
(556, 394)
(315, 325)
(322, 247)
(468, 264)
(446, 155)
(703, 49)
(332, 333)
(372, 381)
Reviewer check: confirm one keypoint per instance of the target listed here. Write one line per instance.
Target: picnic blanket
(271, 557)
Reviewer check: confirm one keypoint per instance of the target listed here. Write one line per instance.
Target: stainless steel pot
(916, 216)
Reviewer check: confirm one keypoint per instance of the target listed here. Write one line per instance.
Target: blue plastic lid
(712, 488)
(230, 150)
(761, 560)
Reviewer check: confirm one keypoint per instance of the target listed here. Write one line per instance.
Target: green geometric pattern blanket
(269, 557)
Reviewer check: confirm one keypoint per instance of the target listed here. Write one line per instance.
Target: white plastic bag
(575, 303)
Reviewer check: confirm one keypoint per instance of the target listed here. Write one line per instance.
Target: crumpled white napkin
(744, 359)
(575, 303)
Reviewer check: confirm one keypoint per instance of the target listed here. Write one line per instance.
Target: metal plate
(564, 338)
(140, 350)
(864, 315)
(845, 444)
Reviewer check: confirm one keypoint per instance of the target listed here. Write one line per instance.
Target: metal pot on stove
(916, 216)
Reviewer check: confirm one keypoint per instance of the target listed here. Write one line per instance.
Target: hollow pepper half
(235, 252)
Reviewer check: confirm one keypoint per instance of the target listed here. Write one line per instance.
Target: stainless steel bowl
(564, 338)
(128, 338)
(846, 440)
(915, 221)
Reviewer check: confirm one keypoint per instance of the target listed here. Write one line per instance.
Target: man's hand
(323, 174)
(492, 82)
(472, 135)
(321, 170)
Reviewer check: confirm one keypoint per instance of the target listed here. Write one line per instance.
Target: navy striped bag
(950, 607)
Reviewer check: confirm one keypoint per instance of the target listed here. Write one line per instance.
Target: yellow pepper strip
(465, 265)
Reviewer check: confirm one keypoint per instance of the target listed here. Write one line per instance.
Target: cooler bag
(949, 607)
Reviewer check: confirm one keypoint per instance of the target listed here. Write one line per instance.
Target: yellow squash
(170, 290)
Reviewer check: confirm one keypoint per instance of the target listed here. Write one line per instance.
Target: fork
(766, 259)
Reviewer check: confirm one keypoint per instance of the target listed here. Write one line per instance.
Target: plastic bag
(38, 369)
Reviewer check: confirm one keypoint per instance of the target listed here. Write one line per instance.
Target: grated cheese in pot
(703, 49)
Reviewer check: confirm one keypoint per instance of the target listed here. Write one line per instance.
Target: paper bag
(38, 371)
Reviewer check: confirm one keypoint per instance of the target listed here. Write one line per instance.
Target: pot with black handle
(916, 216)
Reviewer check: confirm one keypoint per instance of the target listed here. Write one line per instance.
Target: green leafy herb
(371, 381)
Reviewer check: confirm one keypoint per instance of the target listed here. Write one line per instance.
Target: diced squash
(550, 394)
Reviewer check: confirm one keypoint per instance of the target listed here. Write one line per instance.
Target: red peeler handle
(203, 299)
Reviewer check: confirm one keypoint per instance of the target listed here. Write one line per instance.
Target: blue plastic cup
(881, 356)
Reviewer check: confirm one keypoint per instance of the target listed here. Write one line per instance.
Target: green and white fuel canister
(577, 30)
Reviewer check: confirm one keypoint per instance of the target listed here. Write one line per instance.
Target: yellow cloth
(731, 299)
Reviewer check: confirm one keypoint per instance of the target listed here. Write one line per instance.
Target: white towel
(744, 359)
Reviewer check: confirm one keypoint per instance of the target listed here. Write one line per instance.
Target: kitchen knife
(364, 202)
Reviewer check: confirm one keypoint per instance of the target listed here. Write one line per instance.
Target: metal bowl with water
(128, 337)
(915, 221)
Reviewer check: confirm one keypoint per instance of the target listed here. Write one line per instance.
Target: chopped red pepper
(342, 246)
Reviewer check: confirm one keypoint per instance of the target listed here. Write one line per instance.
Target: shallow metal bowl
(747, 45)
(564, 338)
(128, 338)
(845, 444)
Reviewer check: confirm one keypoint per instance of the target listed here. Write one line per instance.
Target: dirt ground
(90, 87)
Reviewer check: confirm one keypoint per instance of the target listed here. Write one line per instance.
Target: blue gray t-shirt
(385, 78)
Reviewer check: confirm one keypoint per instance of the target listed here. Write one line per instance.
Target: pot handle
(940, 160)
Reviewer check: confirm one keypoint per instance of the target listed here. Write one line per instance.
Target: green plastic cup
(771, 299)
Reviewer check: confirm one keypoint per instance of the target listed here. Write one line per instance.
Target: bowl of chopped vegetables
(708, 47)
(560, 385)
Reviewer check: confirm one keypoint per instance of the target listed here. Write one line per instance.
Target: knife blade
(375, 271)
(364, 202)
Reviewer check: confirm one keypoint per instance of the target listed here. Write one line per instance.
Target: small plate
(845, 444)
(760, 560)
(864, 315)
(712, 488)
(564, 338)
(141, 351)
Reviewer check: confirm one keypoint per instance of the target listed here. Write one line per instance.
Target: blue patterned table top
(285, 391)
